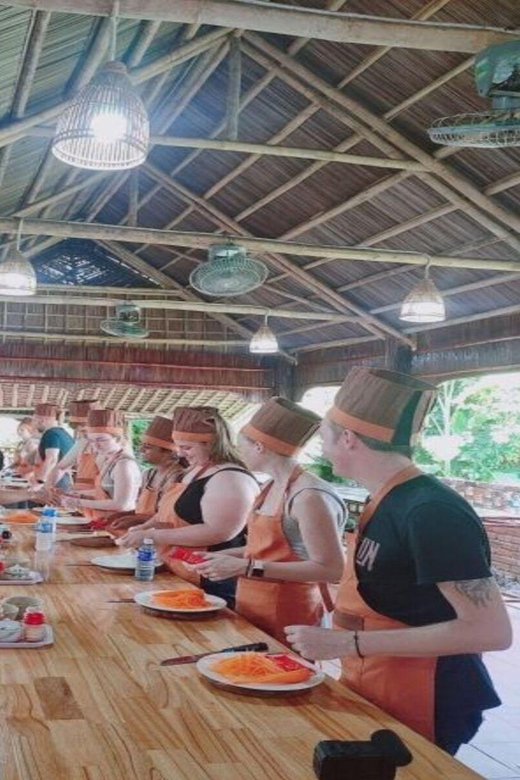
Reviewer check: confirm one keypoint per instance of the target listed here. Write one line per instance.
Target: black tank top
(188, 507)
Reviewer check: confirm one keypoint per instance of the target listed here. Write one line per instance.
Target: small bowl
(10, 631)
(22, 602)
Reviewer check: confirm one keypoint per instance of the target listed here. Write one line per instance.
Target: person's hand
(123, 523)
(133, 538)
(219, 566)
(71, 502)
(320, 644)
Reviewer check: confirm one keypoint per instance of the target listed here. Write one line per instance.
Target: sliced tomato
(288, 663)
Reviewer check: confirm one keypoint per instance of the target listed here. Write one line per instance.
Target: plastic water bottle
(44, 538)
(145, 562)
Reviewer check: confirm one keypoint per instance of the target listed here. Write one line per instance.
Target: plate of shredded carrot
(20, 517)
(268, 672)
(180, 600)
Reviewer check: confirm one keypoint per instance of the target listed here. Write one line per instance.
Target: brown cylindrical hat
(78, 410)
(383, 405)
(194, 423)
(282, 426)
(47, 410)
(106, 421)
(160, 433)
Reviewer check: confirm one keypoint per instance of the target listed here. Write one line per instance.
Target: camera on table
(373, 760)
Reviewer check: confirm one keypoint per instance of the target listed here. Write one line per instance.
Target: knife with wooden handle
(258, 647)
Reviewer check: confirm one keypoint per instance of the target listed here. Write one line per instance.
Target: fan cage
(109, 95)
(492, 129)
(229, 276)
(117, 327)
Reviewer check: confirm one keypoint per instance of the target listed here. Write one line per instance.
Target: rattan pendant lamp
(17, 275)
(424, 303)
(105, 127)
(264, 342)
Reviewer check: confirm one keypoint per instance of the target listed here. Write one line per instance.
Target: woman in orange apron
(117, 484)
(417, 603)
(208, 509)
(159, 450)
(26, 452)
(293, 530)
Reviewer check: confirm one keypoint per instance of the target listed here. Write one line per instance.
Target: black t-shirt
(55, 439)
(423, 533)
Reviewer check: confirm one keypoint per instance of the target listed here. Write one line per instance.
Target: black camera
(374, 760)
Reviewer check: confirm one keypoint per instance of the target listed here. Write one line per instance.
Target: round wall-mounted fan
(126, 324)
(229, 271)
(497, 76)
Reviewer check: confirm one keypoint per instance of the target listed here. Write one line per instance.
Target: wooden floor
(495, 751)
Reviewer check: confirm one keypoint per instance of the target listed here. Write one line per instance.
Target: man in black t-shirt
(417, 603)
(55, 442)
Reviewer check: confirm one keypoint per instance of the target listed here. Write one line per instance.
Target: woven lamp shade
(105, 127)
(423, 304)
(263, 342)
(17, 276)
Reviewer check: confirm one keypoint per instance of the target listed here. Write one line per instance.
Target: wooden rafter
(311, 22)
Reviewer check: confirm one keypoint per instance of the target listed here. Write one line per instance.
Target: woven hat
(47, 410)
(195, 423)
(282, 426)
(160, 433)
(384, 405)
(106, 421)
(78, 410)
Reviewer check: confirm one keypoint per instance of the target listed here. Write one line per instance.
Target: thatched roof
(456, 207)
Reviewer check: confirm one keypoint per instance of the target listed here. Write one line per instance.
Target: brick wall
(504, 536)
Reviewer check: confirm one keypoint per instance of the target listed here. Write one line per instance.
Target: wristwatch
(258, 569)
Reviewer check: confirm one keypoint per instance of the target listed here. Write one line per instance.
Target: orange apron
(273, 604)
(403, 687)
(86, 470)
(150, 494)
(102, 516)
(166, 514)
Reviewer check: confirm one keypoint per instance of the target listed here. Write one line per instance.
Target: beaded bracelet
(356, 645)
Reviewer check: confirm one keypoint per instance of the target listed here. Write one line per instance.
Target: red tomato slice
(287, 662)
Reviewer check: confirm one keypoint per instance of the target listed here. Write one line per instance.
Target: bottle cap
(147, 541)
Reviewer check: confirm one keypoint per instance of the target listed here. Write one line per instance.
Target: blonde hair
(222, 449)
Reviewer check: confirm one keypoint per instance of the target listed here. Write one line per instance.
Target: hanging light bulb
(105, 127)
(264, 342)
(424, 303)
(17, 275)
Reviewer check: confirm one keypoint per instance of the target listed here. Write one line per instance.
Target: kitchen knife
(191, 659)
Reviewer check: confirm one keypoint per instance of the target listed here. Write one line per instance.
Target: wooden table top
(97, 706)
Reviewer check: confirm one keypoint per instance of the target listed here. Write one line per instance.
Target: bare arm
(52, 455)
(223, 519)
(318, 525)
(126, 488)
(481, 624)
(68, 460)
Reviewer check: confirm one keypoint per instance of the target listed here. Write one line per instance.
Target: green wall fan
(229, 271)
(126, 324)
(497, 76)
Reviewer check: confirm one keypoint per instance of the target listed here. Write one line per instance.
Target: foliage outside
(473, 431)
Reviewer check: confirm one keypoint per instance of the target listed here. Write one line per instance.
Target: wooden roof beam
(139, 235)
(306, 22)
(267, 150)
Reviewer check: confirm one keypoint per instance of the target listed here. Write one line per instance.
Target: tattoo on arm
(477, 591)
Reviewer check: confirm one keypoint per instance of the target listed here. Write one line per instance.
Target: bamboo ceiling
(387, 204)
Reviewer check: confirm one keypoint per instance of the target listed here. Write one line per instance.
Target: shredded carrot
(258, 668)
(192, 598)
(21, 516)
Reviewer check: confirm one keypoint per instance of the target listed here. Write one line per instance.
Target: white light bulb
(108, 127)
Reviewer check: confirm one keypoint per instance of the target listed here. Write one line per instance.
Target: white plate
(118, 562)
(34, 579)
(48, 639)
(145, 600)
(204, 664)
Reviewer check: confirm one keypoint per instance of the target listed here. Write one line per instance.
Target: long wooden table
(97, 706)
